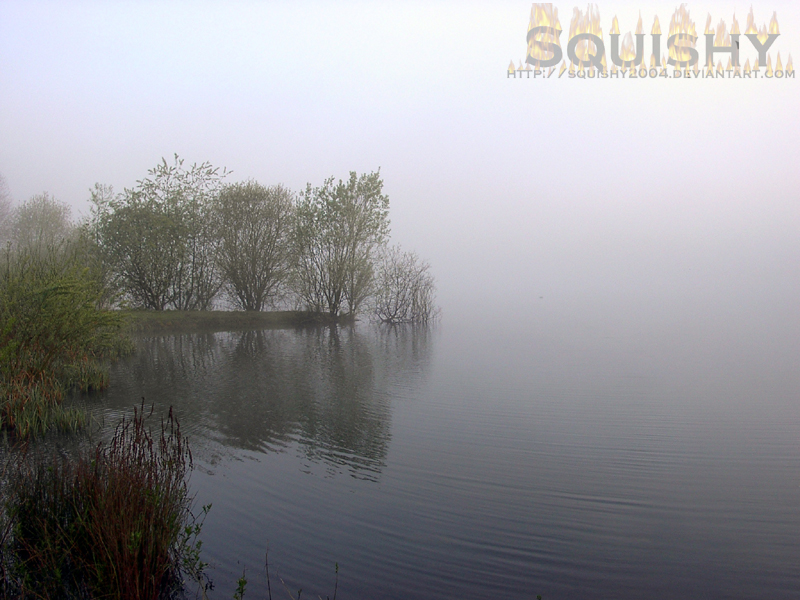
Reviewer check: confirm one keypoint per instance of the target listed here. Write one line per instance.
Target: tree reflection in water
(323, 390)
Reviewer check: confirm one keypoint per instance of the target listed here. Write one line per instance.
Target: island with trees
(182, 239)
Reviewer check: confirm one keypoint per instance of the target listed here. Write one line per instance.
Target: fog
(658, 202)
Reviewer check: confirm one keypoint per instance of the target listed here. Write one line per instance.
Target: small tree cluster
(181, 238)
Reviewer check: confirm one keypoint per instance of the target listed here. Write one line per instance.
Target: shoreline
(176, 321)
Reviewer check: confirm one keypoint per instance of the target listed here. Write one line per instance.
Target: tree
(41, 224)
(405, 289)
(338, 229)
(5, 212)
(135, 243)
(102, 270)
(252, 225)
(159, 236)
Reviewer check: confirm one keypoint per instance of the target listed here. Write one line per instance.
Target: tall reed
(113, 522)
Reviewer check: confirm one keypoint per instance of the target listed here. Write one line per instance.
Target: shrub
(53, 336)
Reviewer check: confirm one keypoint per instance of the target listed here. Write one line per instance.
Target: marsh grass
(113, 521)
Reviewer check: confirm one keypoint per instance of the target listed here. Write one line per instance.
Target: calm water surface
(569, 457)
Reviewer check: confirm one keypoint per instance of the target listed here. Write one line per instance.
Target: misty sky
(601, 191)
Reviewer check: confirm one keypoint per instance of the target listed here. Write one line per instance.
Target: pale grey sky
(513, 189)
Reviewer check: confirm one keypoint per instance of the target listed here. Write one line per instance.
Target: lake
(569, 454)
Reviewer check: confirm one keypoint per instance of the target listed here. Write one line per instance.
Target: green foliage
(338, 229)
(252, 224)
(158, 237)
(53, 337)
(113, 522)
(241, 586)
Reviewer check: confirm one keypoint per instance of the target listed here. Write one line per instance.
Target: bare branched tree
(405, 288)
(252, 225)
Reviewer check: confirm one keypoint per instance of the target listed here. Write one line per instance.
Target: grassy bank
(174, 321)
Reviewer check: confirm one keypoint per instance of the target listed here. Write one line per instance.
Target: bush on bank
(53, 336)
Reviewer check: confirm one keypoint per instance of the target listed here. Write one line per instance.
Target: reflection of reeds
(113, 522)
